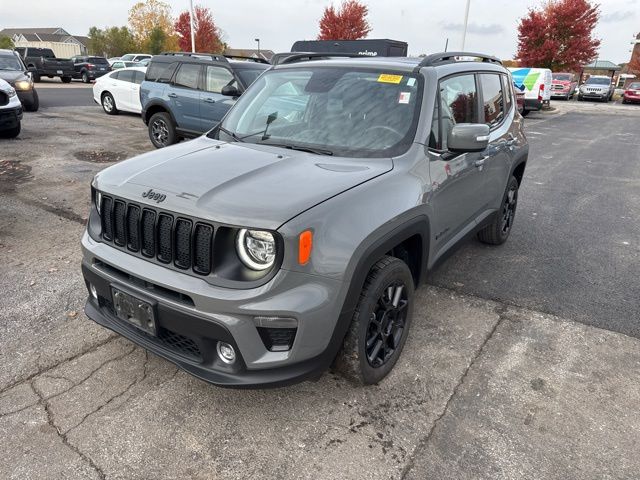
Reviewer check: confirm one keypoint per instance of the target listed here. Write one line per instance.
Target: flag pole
(193, 35)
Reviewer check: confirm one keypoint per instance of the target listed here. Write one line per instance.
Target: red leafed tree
(559, 36)
(347, 23)
(207, 34)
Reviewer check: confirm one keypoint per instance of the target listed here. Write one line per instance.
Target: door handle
(209, 100)
(173, 95)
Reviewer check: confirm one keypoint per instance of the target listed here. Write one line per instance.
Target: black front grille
(157, 235)
(4, 98)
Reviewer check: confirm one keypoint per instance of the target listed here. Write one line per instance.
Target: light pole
(258, 41)
(191, 22)
(466, 21)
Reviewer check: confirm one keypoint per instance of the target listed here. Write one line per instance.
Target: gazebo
(600, 67)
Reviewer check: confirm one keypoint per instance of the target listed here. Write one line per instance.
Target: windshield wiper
(230, 133)
(301, 148)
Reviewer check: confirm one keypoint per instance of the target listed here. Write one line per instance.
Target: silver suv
(292, 236)
(597, 87)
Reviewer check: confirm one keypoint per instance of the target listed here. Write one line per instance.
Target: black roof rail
(213, 56)
(293, 57)
(244, 57)
(449, 57)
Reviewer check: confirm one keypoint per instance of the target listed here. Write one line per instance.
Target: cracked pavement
(483, 390)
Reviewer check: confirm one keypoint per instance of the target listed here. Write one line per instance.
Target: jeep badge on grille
(151, 195)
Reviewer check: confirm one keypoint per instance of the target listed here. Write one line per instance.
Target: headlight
(11, 92)
(256, 248)
(98, 201)
(23, 85)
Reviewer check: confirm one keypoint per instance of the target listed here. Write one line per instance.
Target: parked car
(135, 57)
(632, 93)
(112, 59)
(563, 85)
(14, 72)
(185, 95)
(119, 90)
(294, 233)
(42, 62)
(597, 87)
(122, 64)
(536, 85)
(10, 111)
(90, 68)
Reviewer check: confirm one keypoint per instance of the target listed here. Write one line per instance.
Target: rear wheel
(380, 323)
(109, 104)
(162, 131)
(525, 112)
(497, 232)
(65, 79)
(85, 77)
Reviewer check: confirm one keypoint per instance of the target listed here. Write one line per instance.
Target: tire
(624, 100)
(11, 133)
(580, 99)
(109, 104)
(380, 324)
(65, 79)
(497, 232)
(85, 78)
(35, 105)
(525, 112)
(162, 130)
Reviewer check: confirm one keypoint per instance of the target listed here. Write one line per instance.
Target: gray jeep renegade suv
(292, 236)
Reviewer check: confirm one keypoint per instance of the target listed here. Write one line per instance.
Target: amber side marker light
(305, 242)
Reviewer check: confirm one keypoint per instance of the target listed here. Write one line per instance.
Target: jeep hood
(235, 183)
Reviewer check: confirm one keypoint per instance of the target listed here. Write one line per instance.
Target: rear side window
(218, 77)
(126, 75)
(115, 75)
(508, 92)
(493, 101)
(458, 104)
(187, 76)
(138, 77)
(161, 72)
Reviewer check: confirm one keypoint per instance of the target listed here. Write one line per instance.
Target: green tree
(119, 41)
(6, 42)
(157, 39)
(97, 44)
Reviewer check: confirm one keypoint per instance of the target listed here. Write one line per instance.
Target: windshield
(10, 62)
(341, 111)
(598, 81)
(563, 77)
(634, 86)
(128, 56)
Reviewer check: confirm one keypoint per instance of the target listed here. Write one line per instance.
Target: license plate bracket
(59, 72)
(134, 311)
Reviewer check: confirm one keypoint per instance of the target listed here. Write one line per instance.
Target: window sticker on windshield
(411, 82)
(404, 97)
(388, 78)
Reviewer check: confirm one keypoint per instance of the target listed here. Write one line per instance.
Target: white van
(536, 85)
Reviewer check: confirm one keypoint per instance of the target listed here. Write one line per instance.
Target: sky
(424, 24)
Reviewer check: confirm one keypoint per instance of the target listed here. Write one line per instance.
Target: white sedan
(120, 90)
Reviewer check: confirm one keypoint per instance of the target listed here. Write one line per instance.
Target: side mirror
(468, 137)
(29, 74)
(230, 91)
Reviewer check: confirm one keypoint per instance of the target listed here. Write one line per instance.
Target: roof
(249, 52)
(21, 31)
(602, 65)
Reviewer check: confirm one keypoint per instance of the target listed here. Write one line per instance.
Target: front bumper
(10, 117)
(188, 333)
(595, 95)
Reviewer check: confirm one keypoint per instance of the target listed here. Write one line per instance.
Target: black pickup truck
(42, 62)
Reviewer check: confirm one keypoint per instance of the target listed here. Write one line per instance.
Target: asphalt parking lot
(522, 363)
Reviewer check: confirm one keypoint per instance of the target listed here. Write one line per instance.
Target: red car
(632, 93)
(563, 85)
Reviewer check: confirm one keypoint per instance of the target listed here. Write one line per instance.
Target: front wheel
(497, 232)
(162, 131)
(34, 104)
(380, 323)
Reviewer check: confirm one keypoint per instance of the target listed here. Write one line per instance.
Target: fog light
(226, 352)
(94, 292)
